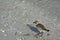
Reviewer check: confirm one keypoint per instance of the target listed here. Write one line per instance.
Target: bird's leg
(36, 35)
(39, 34)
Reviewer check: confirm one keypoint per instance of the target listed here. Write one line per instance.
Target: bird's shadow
(33, 28)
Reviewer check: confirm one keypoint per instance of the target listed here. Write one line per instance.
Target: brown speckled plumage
(39, 25)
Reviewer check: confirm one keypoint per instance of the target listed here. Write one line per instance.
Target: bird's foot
(40, 34)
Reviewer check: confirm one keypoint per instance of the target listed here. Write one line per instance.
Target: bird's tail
(47, 30)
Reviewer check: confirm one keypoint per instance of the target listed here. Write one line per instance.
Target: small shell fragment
(2, 30)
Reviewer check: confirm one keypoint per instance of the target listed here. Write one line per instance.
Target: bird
(40, 26)
(35, 30)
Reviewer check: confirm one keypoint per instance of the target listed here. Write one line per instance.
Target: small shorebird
(40, 27)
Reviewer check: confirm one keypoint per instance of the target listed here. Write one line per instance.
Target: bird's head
(35, 22)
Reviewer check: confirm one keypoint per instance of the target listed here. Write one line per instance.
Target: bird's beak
(33, 22)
